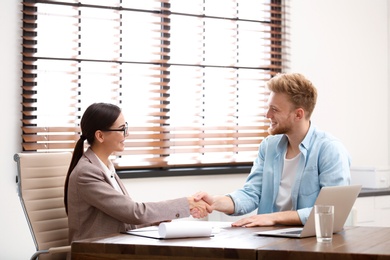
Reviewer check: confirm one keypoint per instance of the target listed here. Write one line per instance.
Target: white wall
(342, 46)
(388, 77)
(15, 241)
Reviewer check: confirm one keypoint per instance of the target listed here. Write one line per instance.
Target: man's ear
(300, 113)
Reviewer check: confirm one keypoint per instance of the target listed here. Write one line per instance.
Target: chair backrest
(41, 178)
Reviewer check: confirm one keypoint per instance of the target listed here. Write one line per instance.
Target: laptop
(343, 199)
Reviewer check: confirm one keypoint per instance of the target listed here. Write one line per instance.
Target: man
(293, 163)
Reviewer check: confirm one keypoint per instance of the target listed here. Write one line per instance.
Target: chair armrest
(60, 249)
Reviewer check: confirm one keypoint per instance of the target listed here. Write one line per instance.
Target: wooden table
(239, 243)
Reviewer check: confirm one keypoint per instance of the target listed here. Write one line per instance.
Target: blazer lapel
(95, 161)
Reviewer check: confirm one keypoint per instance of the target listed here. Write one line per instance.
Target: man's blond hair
(301, 92)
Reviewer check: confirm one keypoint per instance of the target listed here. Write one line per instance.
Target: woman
(96, 200)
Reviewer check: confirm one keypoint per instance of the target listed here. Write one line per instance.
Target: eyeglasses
(124, 130)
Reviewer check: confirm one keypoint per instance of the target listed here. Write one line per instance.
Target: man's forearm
(287, 218)
(270, 219)
(223, 204)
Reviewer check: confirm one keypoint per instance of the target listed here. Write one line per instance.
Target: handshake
(201, 204)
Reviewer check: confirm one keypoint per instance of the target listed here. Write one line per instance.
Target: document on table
(180, 229)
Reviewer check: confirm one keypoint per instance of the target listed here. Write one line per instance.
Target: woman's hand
(200, 208)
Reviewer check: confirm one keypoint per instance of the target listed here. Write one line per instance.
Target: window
(188, 75)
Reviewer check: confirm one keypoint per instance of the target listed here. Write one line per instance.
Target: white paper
(180, 229)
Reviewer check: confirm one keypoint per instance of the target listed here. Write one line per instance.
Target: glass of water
(324, 217)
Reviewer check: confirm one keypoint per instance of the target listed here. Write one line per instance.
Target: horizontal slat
(33, 129)
(45, 147)
(182, 150)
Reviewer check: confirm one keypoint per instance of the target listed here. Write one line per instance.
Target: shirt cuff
(304, 214)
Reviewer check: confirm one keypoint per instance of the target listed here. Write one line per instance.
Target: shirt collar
(110, 170)
(306, 141)
(305, 144)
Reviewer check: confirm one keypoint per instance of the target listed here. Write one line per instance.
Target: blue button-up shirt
(325, 162)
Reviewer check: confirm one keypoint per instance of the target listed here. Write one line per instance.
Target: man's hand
(218, 202)
(261, 220)
(205, 197)
(199, 208)
(271, 219)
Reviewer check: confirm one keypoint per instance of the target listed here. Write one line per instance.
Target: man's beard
(279, 130)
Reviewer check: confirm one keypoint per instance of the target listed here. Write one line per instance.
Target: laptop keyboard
(293, 232)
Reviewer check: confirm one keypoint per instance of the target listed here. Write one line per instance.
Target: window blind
(189, 75)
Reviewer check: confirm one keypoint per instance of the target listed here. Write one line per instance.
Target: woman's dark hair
(98, 116)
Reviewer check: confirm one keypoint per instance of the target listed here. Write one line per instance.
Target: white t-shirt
(283, 201)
